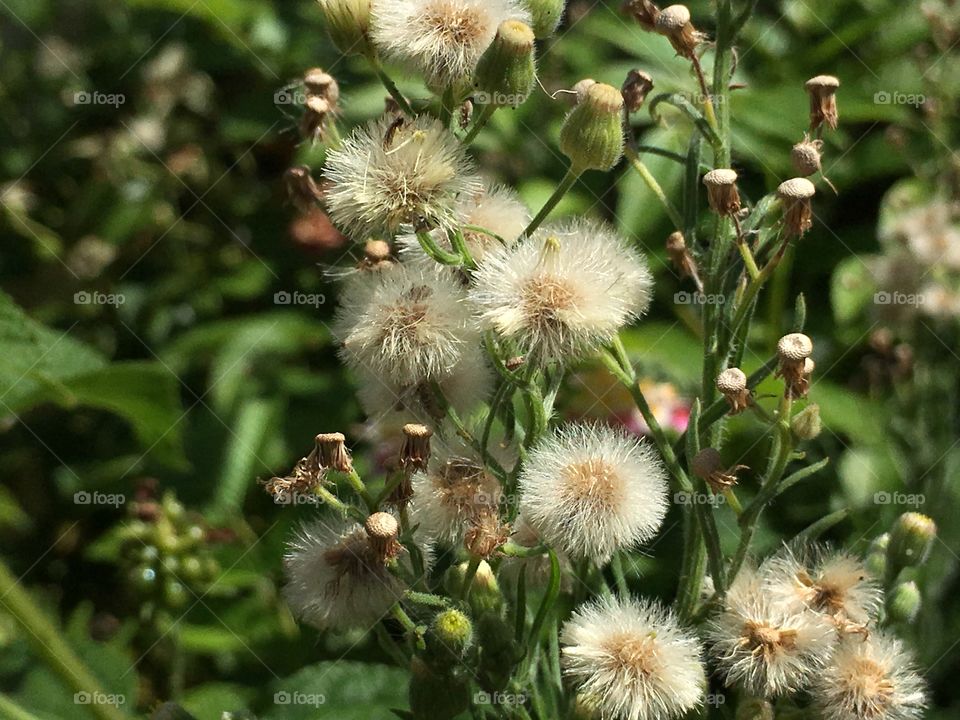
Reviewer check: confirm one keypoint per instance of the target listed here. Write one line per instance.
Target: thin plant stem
(482, 119)
(469, 576)
(48, 642)
(651, 182)
(390, 85)
(563, 188)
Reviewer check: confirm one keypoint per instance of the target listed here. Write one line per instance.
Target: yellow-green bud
(592, 134)
(546, 16)
(903, 602)
(911, 538)
(876, 562)
(806, 424)
(348, 23)
(754, 709)
(450, 633)
(506, 71)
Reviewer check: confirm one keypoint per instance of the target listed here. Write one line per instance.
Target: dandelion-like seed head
(563, 292)
(765, 647)
(455, 496)
(442, 39)
(590, 490)
(631, 660)
(405, 325)
(870, 679)
(396, 171)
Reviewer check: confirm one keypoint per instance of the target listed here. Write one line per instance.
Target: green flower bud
(911, 539)
(903, 602)
(876, 561)
(546, 16)
(450, 634)
(754, 709)
(506, 71)
(348, 23)
(806, 424)
(484, 592)
(592, 134)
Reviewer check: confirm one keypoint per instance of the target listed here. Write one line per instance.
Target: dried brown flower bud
(302, 189)
(722, 191)
(332, 452)
(708, 466)
(466, 114)
(316, 114)
(486, 534)
(732, 384)
(644, 12)
(681, 258)
(796, 195)
(376, 255)
(382, 530)
(674, 23)
(415, 452)
(635, 89)
(805, 156)
(796, 366)
(823, 101)
(317, 82)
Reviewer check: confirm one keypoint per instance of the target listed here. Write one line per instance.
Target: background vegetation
(146, 354)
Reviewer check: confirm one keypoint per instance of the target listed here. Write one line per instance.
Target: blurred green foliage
(171, 203)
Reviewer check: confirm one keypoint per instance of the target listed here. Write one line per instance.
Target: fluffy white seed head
(453, 494)
(870, 679)
(442, 39)
(394, 172)
(563, 292)
(631, 660)
(590, 490)
(404, 325)
(494, 208)
(334, 579)
(836, 584)
(763, 646)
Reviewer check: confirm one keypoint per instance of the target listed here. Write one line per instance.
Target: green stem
(654, 186)
(389, 84)
(469, 576)
(10, 710)
(562, 189)
(437, 253)
(356, 482)
(549, 598)
(488, 110)
(48, 642)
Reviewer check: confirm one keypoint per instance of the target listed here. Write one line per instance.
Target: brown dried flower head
(722, 191)
(318, 82)
(708, 466)
(635, 89)
(796, 366)
(805, 156)
(332, 452)
(823, 101)
(644, 12)
(796, 195)
(415, 452)
(376, 255)
(732, 384)
(673, 22)
(681, 258)
(382, 530)
(302, 189)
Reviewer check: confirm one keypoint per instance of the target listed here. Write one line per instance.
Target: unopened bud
(506, 70)
(903, 602)
(635, 89)
(450, 634)
(876, 562)
(546, 15)
(348, 22)
(806, 424)
(911, 539)
(592, 134)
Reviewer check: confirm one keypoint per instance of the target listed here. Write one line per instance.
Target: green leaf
(212, 700)
(348, 690)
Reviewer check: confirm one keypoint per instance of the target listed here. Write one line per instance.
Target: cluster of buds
(708, 466)
(329, 453)
(732, 384)
(796, 365)
(320, 105)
